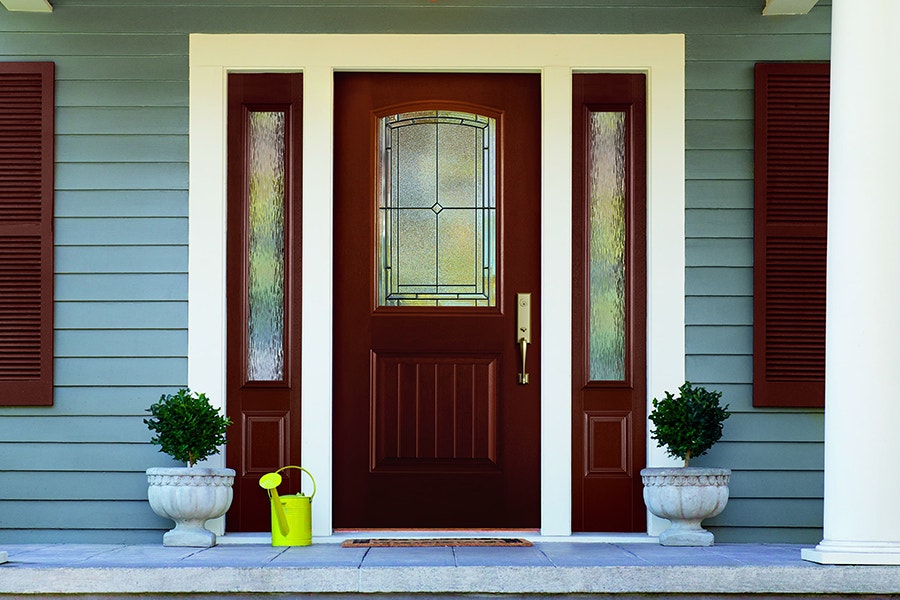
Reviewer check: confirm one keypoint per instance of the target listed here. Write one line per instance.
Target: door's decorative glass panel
(606, 201)
(437, 210)
(265, 239)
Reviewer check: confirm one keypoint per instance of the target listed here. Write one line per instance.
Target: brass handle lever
(523, 376)
(523, 330)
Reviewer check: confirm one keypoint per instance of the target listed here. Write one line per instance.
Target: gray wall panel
(121, 259)
(121, 315)
(120, 342)
(121, 231)
(125, 203)
(121, 148)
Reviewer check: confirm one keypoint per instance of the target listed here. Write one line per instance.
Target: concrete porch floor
(566, 566)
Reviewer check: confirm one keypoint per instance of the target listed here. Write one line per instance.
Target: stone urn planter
(190, 497)
(685, 496)
(687, 426)
(189, 429)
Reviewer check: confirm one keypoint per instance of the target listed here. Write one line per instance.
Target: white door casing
(555, 57)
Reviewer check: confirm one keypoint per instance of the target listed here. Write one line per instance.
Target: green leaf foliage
(690, 424)
(187, 426)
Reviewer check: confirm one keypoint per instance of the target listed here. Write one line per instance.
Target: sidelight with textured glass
(265, 239)
(606, 202)
(437, 241)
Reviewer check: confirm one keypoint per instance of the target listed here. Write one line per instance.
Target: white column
(862, 373)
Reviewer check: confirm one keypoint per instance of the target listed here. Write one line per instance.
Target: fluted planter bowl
(190, 497)
(686, 496)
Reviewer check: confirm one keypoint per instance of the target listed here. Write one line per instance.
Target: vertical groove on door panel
(461, 430)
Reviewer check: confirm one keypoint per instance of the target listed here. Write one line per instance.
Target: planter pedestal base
(686, 537)
(195, 536)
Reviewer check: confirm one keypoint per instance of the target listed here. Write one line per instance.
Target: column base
(853, 553)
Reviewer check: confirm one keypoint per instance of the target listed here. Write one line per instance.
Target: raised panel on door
(437, 205)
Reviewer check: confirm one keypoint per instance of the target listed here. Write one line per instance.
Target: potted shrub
(189, 429)
(687, 426)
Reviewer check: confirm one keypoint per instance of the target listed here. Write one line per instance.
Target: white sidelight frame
(555, 57)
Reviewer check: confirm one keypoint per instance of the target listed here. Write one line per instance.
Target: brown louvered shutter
(26, 233)
(790, 220)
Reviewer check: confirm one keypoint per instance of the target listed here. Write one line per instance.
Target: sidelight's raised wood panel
(435, 412)
(267, 434)
(608, 443)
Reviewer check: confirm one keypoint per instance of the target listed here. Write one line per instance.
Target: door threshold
(532, 535)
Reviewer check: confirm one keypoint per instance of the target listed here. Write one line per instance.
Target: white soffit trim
(788, 7)
(42, 6)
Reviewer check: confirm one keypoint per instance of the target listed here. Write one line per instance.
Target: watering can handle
(305, 471)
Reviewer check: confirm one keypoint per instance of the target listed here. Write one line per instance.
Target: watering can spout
(291, 514)
(270, 483)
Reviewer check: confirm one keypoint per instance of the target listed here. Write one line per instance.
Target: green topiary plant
(690, 424)
(187, 426)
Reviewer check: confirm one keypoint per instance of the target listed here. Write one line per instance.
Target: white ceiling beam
(788, 7)
(41, 6)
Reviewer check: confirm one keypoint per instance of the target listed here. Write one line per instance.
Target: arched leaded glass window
(437, 210)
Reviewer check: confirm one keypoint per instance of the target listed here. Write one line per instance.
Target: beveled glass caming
(265, 239)
(437, 210)
(606, 202)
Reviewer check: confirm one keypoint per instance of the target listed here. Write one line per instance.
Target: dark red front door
(437, 204)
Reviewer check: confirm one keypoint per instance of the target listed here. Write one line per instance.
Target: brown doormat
(433, 542)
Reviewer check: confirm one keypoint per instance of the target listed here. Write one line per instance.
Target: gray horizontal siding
(158, 120)
(60, 485)
(121, 236)
(70, 429)
(782, 535)
(93, 514)
(770, 512)
(120, 148)
(111, 401)
(121, 286)
(119, 343)
(91, 371)
(776, 455)
(121, 274)
(120, 259)
(74, 535)
(122, 176)
(116, 231)
(100, 457)
(719, 194)
(125, 203)
(121, 315)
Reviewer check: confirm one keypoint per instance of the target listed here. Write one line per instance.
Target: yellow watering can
(292, 514)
